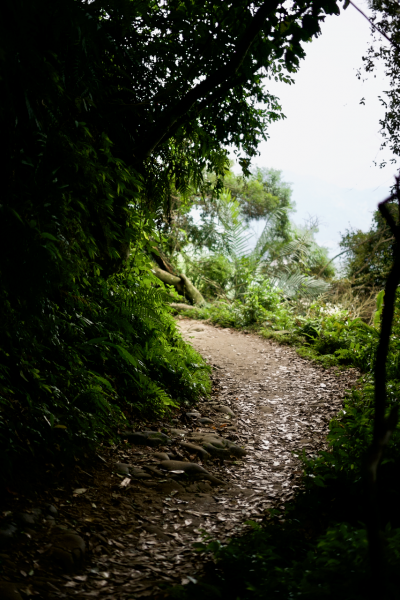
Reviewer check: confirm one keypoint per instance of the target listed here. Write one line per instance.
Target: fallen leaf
(79, 491)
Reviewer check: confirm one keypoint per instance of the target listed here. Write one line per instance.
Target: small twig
(350, 249)
(372, 254)
(373, 25)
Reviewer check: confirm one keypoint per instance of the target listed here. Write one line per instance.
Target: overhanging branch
(220, 76)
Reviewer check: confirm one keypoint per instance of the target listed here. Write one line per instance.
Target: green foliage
(261, 304)
(209, 218)
(302, 255)
(368, 254)
(211, 274)
(97, 133)
(74, 373)
(339, 340)
(379, 308)
(317, 546)
(261, 196)
(278, 561)
(246, 269)
(336, 339)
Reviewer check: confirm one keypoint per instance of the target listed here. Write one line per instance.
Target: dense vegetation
(116, 117)
(107, 109)
(316, 546)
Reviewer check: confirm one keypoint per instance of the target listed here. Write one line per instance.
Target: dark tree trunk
(383, 426)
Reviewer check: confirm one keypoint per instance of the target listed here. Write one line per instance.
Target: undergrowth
(87, 342)
(316, 546)
(319, 331)
(88, 365)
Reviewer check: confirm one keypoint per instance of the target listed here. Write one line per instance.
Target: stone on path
(265, 409)
(224, 409)
(167, 487)
(157, 531)
(197, 449)
(27, 519)
(147, 438)
(205, 421)
(193, 415)
(69, 551)
(139, 473)
(7, 534)
(191, 469)
(122, 468)
(51, 510)
(135, 472)
(218, 446)
(180, 432)
(160, 455)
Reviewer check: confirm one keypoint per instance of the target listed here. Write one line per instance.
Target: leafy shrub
(320, 549)
(73, 374)
(86, 341)
(211, 275)
(260, 304)
(277, 561)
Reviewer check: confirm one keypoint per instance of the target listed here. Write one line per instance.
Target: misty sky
(328, 143)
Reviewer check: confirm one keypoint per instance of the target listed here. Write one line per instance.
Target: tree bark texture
(182, 284)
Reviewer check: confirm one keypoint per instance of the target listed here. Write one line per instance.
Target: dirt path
(137, 513)
(283, 403)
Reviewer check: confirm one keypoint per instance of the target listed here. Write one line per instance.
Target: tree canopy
(367, 254)
(386, 19)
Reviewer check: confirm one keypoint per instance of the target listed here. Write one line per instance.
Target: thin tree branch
(350, 249)
(373, 25)
(383, 427)
(371, 255)
(335, 257)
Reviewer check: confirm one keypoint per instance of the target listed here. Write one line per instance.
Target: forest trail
(138, 516)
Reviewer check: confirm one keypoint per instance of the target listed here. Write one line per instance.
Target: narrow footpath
(126, 528)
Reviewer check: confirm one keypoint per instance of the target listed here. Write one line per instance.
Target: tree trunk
(180, 306)
(160, 260)
(182, 284)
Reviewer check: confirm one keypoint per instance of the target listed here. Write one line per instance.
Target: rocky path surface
(126, 529)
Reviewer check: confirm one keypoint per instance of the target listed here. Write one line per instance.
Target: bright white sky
(328, 142)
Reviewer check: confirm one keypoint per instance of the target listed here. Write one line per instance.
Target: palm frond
(266, 237)
(296, 248)
(297, 284)
(236, 240)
